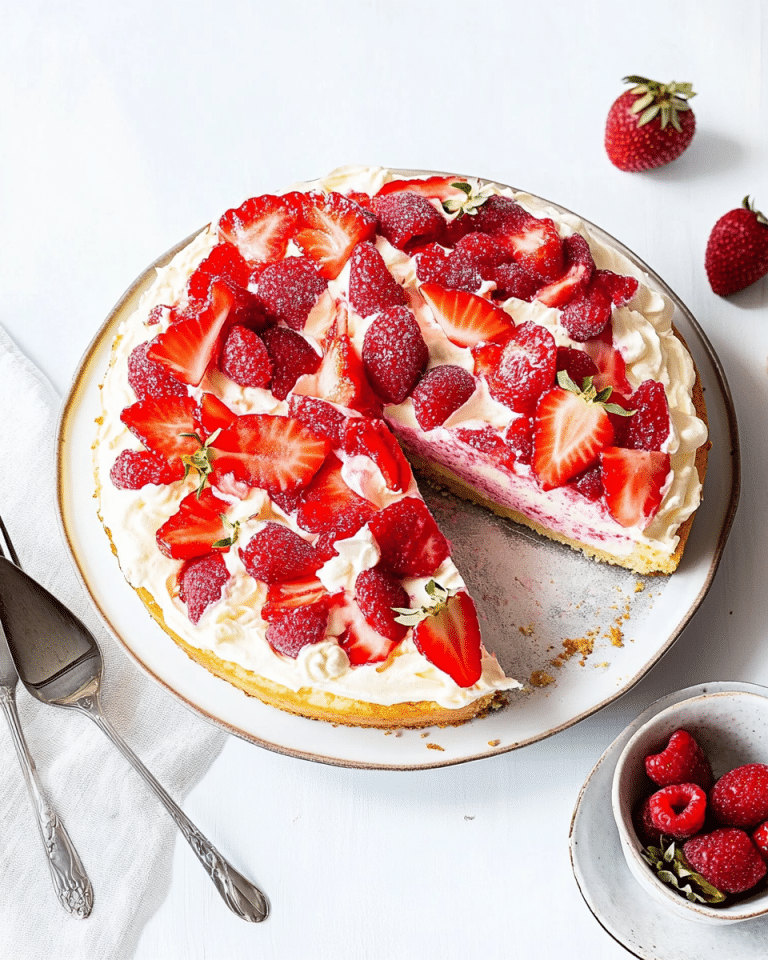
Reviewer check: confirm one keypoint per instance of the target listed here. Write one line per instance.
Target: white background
(124, 127)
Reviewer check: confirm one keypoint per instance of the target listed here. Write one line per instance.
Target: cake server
(70, 880)
(60, 663)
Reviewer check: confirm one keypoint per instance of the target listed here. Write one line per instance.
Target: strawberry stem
(664, 100)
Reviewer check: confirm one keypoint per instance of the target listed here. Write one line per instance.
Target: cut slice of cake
(249, 460)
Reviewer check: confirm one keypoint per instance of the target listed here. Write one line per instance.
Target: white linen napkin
(122, 833)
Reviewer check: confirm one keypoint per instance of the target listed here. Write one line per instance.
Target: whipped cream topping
(233, 628)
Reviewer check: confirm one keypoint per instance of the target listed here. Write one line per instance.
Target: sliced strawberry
(450, 639)
(276, 453)
(533, 243)
(580, 268)
(329, 505)
(406, 219)
(466, 319)
(512, 280)
(410, 542)
(164, 424)
(224, 262)
(371, 286)
(436, 188)
(519, 436)
(610, 363)
(394, 354)
(244, 358)
(150, 379)
(291, 357)
(376, 593)
(198, 527)
(277, 554)
(482, 250)
(620, 422)
(635, 482)
(260, 228)
(201, 583)
(488, 441)
(569, 432)
(214, 414)
(288, 290)
(587, 315)
(619, 289)
(321, 417)
(373, 439)
(519, 369)
(589, 483)
(439, 393)
(361, 642)
(134, 469)
(577, 364)
(295, 629)
(331, 226)
(341, 378)
(190, 345)
(282, 597)
(650, 426)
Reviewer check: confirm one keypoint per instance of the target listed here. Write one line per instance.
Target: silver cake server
(60, 663)
(70, 880)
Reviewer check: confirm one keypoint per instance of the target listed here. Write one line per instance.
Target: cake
(267, 403)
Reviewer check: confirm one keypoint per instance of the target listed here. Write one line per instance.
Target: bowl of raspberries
(690, 800)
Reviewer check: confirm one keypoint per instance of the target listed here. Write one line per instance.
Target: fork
(70, 881)
(60, 663)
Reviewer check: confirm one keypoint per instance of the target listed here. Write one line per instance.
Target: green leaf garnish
(673, 869)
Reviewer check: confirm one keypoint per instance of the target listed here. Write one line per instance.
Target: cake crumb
(387, 733)
(435, 746)
(540, 679)
(424, 734)
(527, 631)
(639, 586)
(577, 645)
(604, 665)
(494, 743)
(616, 636)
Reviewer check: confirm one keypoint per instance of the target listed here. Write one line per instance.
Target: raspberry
(322, 418)
(289, 289)
(371, 286)
(201, 582)
(740, 797)
(430, 263)
(244, 358)
(588, 315)
(151, 379)
(460, 272)
(410, 542)
(407, 218)
(277, 554)
(577, 364)
(377, 592)
(483, 251)
(394, 353)
(512, 280)
(498, 215)
(649, 426)
(293, 629)
(727, 858)
(291, 356)
(134, 469)
(440, 392)
(678, 810)
(681, 761)
(521, 369)
(644, 828)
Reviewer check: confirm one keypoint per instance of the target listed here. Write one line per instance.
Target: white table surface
(125, 127)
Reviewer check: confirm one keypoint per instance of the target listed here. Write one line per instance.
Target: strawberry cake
(265, 405)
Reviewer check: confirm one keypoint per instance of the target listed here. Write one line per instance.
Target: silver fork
(70, 881)
(60, 663)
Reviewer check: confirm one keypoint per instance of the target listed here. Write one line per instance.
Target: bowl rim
(630, 842)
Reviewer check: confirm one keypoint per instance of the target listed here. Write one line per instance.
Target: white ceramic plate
(619, 903)
(532, 594)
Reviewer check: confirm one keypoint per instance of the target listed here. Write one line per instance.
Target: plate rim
(79, 383)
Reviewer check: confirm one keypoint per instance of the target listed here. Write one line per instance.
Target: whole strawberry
(737, 250)
(649, 125)
(740, 797)
(726, 858)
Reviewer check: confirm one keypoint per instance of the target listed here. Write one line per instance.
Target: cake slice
(250, 461)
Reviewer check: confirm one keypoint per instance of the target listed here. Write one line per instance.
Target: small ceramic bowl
(732, 729)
